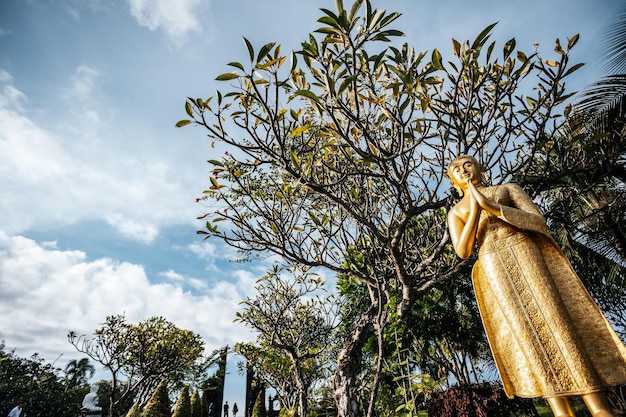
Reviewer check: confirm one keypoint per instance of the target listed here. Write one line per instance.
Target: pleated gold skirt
(547, 335)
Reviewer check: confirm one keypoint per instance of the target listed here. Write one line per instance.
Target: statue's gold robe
(548, 337)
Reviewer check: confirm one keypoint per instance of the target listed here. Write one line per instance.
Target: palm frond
(605, 94)
(602, 105)
(614, 50)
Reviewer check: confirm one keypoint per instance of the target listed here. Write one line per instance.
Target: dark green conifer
(183, 405)
(196, 404)
(159, 404)
(258, 410)
(134, 411)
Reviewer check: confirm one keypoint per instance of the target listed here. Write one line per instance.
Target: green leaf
(354, 9)
(483, 36)
(189, 109)
(551, 63)
(345, 83)
(490, 50)
(436, 59)
(572, 69)
(375, 19)
(250, 49)
(571, 42)
(522, 56)
(308, 94)
(329, 31)
(567, 110)
(182, 123)
(299, 131)
(509, 47)
(392, 32)
(531, 102)
(390, 18)
(227, 76)
(339, 6)
(236, 65)
(329, 13)
(295, 160)
(265, 50)
(404, 105)
(329, 21)
(294, 62)
(456, 47)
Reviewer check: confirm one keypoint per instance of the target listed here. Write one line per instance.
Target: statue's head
(94, 388)
(459, 160)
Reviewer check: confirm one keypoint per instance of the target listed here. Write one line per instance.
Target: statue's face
(464, 170)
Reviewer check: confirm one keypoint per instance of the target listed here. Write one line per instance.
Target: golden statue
(547, 336)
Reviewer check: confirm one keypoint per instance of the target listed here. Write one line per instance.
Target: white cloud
(195, 283)
(27, 152)
(141, 231)
(46, 292)
(5, 76)
(75, 7)
(205, 250)
(83, 84)
(176, 18)
(11, 97)
(172, 275)
(77, 170)
(74, 13)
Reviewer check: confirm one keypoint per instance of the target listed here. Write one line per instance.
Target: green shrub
(159, 404)
(196, 404)
(183, 405)
(134, 411)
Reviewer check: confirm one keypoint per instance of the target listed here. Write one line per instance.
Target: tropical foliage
(43, 388)
(579, 177)
(78, 372)
(140, 355)
(335, 166)
(294, 325)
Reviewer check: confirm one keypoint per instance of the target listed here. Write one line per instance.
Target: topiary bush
(134, 411)
(183, 405)
(259, 410)
(159, 404)
(196, 404)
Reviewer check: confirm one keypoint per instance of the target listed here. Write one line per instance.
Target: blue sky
(97, 196)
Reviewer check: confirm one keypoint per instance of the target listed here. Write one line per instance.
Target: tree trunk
(303, 403)
(348, 365)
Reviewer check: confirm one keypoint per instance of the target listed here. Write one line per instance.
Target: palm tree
(599, 120)
(581, 181)
(78, 372)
